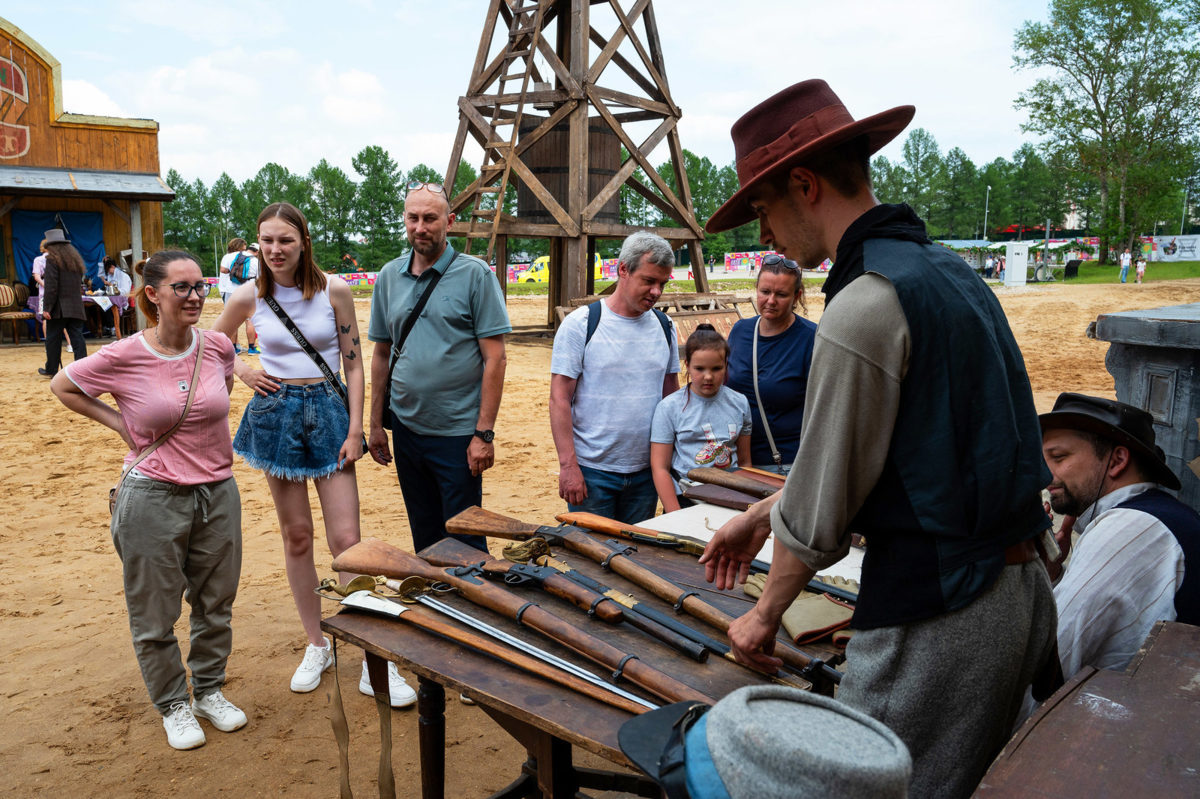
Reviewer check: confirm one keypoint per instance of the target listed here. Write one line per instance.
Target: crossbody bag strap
(411, 320)
(187, 407)
(762, 412)
(309, 350)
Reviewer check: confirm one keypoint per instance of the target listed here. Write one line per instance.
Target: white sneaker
(69, 348)
(316, 660)
(183, 731)
(400, 694)
(223, 714)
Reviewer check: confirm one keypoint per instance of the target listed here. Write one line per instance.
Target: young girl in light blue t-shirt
(702, 424)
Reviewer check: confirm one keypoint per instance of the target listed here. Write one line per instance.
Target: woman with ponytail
(177, 523)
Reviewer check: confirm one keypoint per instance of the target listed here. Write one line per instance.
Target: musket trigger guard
(439, 587)
(683, 598)
(616, 675)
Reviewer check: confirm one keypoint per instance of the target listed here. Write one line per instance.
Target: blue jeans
(436, 483)
(1124, 273)
(628, 498)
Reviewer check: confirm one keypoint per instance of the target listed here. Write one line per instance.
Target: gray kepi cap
(767, 742)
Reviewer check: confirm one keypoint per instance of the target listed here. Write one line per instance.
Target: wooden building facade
(96, 177)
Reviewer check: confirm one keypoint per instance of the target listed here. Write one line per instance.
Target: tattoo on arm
(354, 341)
(351, 355)
(345, 328)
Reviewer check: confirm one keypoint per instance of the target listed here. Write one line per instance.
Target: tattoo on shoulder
(345, 328)
(351, 355)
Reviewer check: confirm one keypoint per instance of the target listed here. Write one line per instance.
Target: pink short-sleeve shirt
(151, 391)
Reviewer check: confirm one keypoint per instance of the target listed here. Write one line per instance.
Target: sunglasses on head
(415, 185)
(775, 259)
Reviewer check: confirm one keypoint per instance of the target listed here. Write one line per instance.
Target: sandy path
(77, 718)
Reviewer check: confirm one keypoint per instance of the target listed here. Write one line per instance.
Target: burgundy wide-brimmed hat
(800, 121)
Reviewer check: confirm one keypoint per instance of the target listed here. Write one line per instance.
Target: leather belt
(1021, 552)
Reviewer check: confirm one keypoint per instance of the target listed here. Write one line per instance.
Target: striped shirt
(1122, 577)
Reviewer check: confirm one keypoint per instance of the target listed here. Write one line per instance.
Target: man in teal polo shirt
(448, 374)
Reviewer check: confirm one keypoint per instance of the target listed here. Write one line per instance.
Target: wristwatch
(485, 435)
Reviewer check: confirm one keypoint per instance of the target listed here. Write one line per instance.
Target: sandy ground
(76, 716)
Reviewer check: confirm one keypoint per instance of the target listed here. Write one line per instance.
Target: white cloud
(82, 97)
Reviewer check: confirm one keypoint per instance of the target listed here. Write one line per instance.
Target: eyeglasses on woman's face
(184, 290)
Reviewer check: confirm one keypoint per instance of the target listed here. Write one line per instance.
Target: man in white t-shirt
(226, 285)
(1126, 262)
(609, 370)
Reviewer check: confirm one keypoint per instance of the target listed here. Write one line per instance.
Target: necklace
(164, 349)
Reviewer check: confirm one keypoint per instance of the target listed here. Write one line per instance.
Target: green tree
(1121, 94)
(959, 197)
(887, 180)
(378, 207)
(330, 216)
(923, 174)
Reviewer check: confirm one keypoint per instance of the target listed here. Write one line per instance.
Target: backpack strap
(593, 322)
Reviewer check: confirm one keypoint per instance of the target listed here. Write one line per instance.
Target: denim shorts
(294, 433)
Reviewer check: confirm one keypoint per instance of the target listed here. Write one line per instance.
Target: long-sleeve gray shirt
(860, 359)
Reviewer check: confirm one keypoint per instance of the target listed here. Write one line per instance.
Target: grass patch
(1092, 272)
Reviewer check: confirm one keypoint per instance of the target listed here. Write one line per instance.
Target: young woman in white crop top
(296, 428)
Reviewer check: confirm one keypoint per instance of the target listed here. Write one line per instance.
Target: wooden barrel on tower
(549, 159)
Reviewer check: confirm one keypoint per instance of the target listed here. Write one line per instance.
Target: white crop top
(282, 356)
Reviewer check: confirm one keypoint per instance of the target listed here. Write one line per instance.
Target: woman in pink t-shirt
(177, 524)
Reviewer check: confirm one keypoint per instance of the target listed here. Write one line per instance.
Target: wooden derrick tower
(552, 114)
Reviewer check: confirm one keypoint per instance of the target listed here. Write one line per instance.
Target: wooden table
(546, 719)
(1113, 733)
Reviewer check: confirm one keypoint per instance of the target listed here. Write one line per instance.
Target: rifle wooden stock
(762, 475)
(630, 532)
(477, 521)
(721, 477)
(451, 552)
(430, 622)
(372, 556)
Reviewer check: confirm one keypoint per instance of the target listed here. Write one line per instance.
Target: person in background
(1141, 268)
(237, 251)
(613, 362)
(705, 423)
(37, 271)
(62, 300)
(781, 342)
(116, 282)
(177, 523)
(1127, 571)
(1126, 262)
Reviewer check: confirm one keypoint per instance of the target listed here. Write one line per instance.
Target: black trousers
(55, 328)
(436, 483)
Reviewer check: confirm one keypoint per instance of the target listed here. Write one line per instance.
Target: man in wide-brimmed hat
(1128, 568)
(919, 432)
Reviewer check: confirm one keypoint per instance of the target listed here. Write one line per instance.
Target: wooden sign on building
(95, 177)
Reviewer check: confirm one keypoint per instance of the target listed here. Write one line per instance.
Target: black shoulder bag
(309, 350)
(389, 418)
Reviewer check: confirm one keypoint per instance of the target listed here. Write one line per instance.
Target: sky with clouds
(234, 85)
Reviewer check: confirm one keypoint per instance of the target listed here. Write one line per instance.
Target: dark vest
(964, 471)
(1184, 524)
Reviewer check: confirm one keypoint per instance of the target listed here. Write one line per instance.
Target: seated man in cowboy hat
(920, 432)
(1128, 568)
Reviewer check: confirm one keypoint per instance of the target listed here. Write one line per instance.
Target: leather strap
(329, 375)
(407, 327)
(1021, 552)
(762, 412)
(162, 439)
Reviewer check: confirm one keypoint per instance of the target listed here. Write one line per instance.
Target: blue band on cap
(703, 781)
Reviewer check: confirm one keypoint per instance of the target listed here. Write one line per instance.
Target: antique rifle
(721, 477)
(477, 521)
(372, 556)
(512, 654)
(467, 560)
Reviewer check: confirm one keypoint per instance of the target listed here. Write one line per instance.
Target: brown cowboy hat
(1126, 425)
(799, 121)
